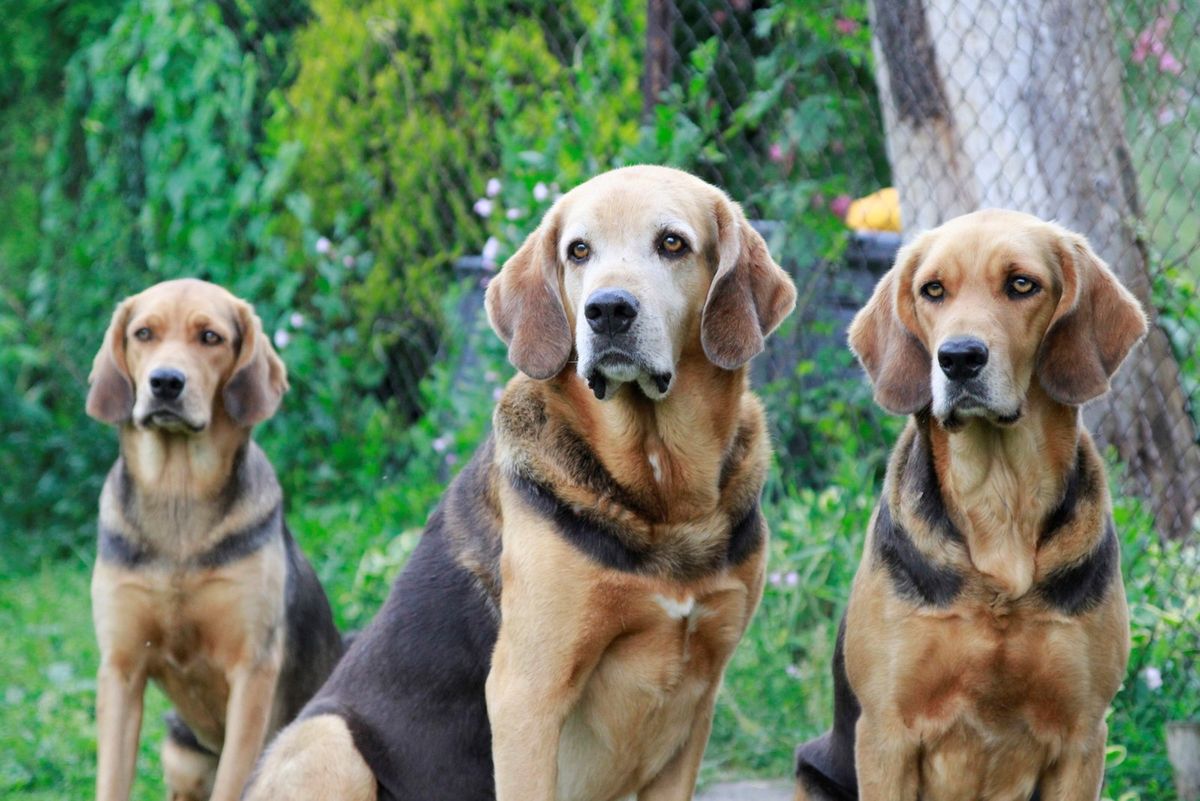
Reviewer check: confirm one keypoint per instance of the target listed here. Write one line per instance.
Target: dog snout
(611, 311)
(962, 358)
(166, 383)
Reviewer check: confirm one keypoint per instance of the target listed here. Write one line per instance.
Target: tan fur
(188, 774)
(998, 693)
(212, 639)
(337, 771)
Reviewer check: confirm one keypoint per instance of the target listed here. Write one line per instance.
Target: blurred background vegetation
(356, 169)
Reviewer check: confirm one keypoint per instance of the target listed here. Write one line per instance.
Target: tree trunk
(1019, 105)
(660, 17)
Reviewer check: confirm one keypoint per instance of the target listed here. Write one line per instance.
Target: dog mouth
(967, 403)
(165, 419)
(615, 367)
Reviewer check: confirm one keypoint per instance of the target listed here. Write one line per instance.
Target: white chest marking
(655, 466)
(683, 609)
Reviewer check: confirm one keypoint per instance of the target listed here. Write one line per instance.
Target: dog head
(973, 310)
(627, 272)
(180, 353)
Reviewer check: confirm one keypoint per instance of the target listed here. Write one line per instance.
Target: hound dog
(987, 629)
(198, 585)
(563, 626)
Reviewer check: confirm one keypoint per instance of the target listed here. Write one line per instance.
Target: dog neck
(670, 453)
(181, 480)
(1001, 482)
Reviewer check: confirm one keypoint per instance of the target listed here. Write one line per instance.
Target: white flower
(792, 578)
(775, 578)
(297, 320)
(512, 214)
(792, 671)
(483, 207)
(491, 249)
(497, 394)
(324, 245)
(440, 444)
(493, 187)
(540, 192)
(281, 338)
(1153, 678)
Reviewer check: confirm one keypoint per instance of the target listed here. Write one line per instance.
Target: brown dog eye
(1020, 286)
(143, 334)
(933, 290)
(211, 338)
(579, 251)
(672, 245)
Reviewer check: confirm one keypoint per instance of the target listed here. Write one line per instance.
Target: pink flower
(817, 201)
(840, 205)
(483, 207)
(493, 187)
(512, 214)
(441, 443)
(297, 319)
(1165, 115)
(776, 579)
(323, 245)
(792, 578)
(282, 338)
(451, 459)
(775, 152)
(497, 394)
(846, 26)
(1168, 63)
(540, 192)
(348, 261)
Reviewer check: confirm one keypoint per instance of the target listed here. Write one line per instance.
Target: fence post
(1183, 749)
(659, 51)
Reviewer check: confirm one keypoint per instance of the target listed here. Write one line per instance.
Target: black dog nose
(611, 311)
(962, 358)
(166, 383)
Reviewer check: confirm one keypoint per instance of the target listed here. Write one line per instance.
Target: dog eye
(1020, 286)
(672, 245)
(934, 291)
(579, 251)
(143, 334)
(211, 338)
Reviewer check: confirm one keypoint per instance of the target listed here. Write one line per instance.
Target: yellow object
(878, 211)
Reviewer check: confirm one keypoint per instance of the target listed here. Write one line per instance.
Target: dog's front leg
(119, 692)
(677, 780)
(885, 758)
(1078, 774)
(550, 640)
(247, 716)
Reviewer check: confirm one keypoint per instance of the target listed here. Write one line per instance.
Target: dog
(987, 629)
(198, 584)
(562, 628)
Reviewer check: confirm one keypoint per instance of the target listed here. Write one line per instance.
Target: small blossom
(451, 459)
(348, 261)
(540, 192)
(775, 152)
(792, 671)
(483, 207)
(491, 376)
(324, 245)
(817, 201)
(491, 249)
(512, 214)
(493, 187)
(281, 338)
(1165, 115)
(297, 320)
(441, 443)
(792, 578)
(840, 205)
(1168, 63)
(776, 579)
(497, 394)
(846, 26)
(1153, 678)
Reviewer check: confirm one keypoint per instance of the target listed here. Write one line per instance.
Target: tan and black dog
(198, 585)
(563, 626)
(987, 630)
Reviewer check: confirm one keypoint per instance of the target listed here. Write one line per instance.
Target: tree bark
(1019, 105)
(660, 18)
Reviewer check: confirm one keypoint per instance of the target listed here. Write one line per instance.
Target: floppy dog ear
(110, 389)
(1095, 325)
(895, 360)
(524, 305)
(750, 294)
(259, 377)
